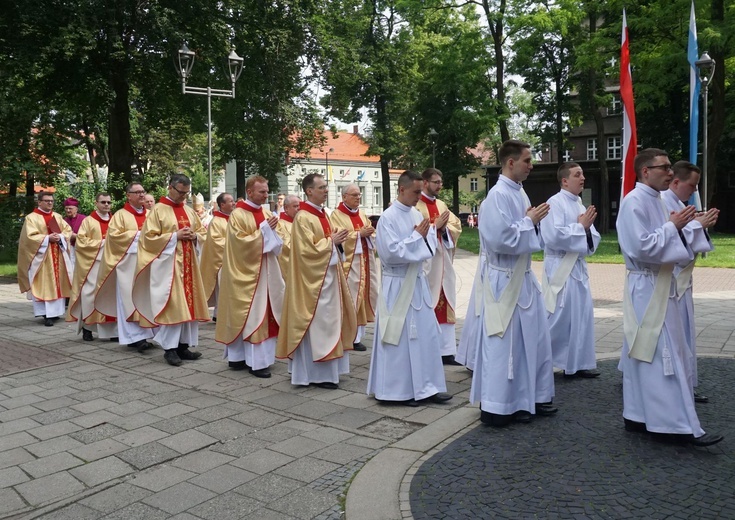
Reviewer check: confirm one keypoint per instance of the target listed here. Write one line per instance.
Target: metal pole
(705, 86)
(209, 140)
(433, 153)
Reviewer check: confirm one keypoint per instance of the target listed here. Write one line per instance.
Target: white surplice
(699, 241)
(658, 393)
(514, 371)
(572, 324)
(413, 368)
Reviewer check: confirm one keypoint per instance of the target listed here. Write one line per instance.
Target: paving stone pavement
(94, 430)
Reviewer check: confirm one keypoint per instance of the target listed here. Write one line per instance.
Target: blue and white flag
(694, 86)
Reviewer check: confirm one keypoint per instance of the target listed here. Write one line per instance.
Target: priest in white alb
(658, 396)
(569, 237)
(406, 364)
(505, 331)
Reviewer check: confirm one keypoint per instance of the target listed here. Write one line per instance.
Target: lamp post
(326, 165)
(432, 135)
(706, 67)
(183, 67)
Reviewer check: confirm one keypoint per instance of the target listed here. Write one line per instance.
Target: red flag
(630, 140)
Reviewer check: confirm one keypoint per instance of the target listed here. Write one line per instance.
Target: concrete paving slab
(230, 506)
(49, 489)
(179, 498)
(223, 478)
(262, 461)
(147, 455)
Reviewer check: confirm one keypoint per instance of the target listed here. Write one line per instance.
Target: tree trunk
(717, 99)
(90, 151)
(385, 179)
(604, 210)
(495, 23)
(240, 179)
(120, 144)
(559, 123)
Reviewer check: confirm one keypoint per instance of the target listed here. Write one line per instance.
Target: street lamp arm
(214, 92)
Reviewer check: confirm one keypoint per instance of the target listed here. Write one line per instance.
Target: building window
(377, 196)
(614, 148)
(362, 194)
(376, 174)
(591, 149)
(567, 156)
(473, 184)
(616, 106)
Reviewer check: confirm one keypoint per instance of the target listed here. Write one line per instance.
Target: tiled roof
(347, 147)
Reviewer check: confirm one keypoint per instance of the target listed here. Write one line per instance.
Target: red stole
(257, 212)
(53, 227)
(284, 216)
(219, 214)
(441, 305)
(187, 248)
(323, 220)
(103, 223)
(139, 217)
(358, 224)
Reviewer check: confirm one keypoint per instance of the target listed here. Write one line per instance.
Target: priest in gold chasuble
(89, 251)
(441, 275)
(168, 290)
(251, 293)
(291, 206)
(318, 323)
(360, 265)
(44, 265)
(213, 249)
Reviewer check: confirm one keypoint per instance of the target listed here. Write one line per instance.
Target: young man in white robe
(505, 331)
(683, 185)
(406, 363)
(657, 393)
(569, 237)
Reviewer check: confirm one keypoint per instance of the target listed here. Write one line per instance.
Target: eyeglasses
(436, 182)
(47, 200)
(139, 192)
(666, 167)
(179, 191)
(104, 202)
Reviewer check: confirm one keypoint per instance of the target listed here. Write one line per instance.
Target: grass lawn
(608, 253)
(8, 264)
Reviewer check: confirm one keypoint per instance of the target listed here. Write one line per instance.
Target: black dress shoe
(588, 374)
(214, 319)
(440, 398)
(115, 339)
(494, 419)
(545, 409)
(408, 402)
(238, 365)
(142, 345)
(522, 416)
(87, 335)
(634, 426)
(359, 347)
(263, 373)
(327, 385)
(184, 353)
(172, 358)
(48, 322)
(708, 439)
(699, 398)
(449, 360)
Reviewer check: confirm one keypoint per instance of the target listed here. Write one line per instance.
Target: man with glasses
(44, 265)
(441, 276)
(89, 251)
(682, 187)
(658, 396)
(114, 293)
(167, 290)
(316, 330)
(214, 246)
(359, 263)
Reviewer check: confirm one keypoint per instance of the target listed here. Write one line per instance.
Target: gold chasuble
(167, 289)
(441, 276)
(44, 272)
(284, 231)
(120, 239)
(360, 270)
(212, 251)
(251, 285)
(327, 315)
(89, 251)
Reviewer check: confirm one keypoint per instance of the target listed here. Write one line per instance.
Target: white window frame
(614, 148)
(473, 184)
(592, 149)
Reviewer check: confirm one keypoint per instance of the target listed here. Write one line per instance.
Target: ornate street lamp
(706, 67)
(432, 135)
(184, 65)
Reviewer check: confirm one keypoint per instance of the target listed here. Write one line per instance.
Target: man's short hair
(408, 177)
(565, 170)
(253, 179)
(684, 169)
(644, 158)
(179, 178)
(308, 181)
(221, 198)
(101, 194)
(42, 194)
(346, 188)
(290, 198)
(428, 173)
(130, 185)
(511, 149)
